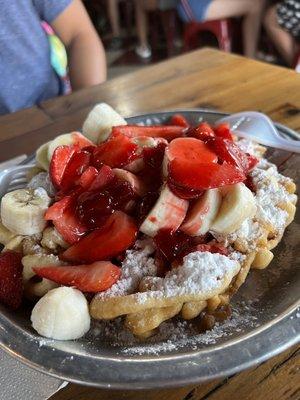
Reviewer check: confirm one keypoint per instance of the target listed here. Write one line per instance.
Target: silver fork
(13, 178)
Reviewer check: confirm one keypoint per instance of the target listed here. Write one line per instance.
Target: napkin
(17, 381)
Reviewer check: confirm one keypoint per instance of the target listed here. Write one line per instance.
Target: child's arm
(86, 55)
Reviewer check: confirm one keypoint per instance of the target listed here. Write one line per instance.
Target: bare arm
(86, 55)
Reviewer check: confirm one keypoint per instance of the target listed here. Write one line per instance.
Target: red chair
(221, 29)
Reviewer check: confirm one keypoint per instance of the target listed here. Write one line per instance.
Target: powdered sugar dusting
(136, 265)
(270, 194)
(175, 334)
(201, 273)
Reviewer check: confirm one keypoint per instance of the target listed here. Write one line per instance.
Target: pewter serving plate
(274, 324)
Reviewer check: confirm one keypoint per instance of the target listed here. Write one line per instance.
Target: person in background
(282, 24)
(205, 10)
(27, 76)
(143, 48)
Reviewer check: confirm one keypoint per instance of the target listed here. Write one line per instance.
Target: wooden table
(208, 79)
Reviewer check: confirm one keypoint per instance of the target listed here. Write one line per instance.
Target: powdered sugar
(201, 273)
(251, 147)
(135, 266)
(174, 334)
(269, 195)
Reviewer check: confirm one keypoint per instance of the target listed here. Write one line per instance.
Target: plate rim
(286, 319)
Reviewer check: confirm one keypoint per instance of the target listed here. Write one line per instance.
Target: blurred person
(143, 48)
(282, 24)
(251, 11)
(31, 59)
(114, 20)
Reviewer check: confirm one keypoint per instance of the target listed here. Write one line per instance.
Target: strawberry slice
(223, 131)
(63, 215)
(116, 152)
(96, 277)
(81, 141)
(190, 150)
(117, 234)
(230, 152)
(179, 120)
(87, 177)
(203, 131)
(59, 161)
(78, 163)
(196, 176)
(168, 132)
(11, 280)
(104, 177)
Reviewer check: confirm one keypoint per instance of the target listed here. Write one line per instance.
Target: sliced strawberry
(172, 244)
(96, 277)
(252, 161)
(203, 131)
(104, 177)
(81, 141)
(87, 177)
(63, 215)
(78, 163)
(168, 132)
(11, 280)
(231, 153)
(203, 176)
(116, 152)
(223, 131)
(190, 150)
(59, 161)
(179, 120)
(118, 234)
(184, 193)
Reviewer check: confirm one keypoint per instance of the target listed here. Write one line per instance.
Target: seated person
(27, 75)
(282, 23)
(250, 10)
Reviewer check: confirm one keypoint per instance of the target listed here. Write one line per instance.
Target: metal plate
(276, 291)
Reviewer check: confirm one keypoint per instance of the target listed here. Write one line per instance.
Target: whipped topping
(200, 273)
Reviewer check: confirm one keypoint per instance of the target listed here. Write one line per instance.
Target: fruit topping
(116, 235)
(96, 277)
(202, 213)
(198, 176)
(78, 163)
(180, 120)
(202, 131)
(11, 280)
(59, 161)
(229, 152)
(168, 213)
(62, 214)
(118, 151)
(168, 132)
(223, 131)
(172, 244)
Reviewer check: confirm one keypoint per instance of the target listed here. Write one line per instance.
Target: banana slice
(62, 314)
(97, 126)
(5, 234)
(31, 287)
(168, 212)
(15, 244)
(35, 260)
(66, 139)
(41, 156)
(22, 211)
(238, 204)
(53, 240)
(200, 217)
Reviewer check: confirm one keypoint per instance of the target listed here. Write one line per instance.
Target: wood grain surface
(208, 79)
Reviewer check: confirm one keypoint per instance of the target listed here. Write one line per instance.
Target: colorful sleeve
(48, 10)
